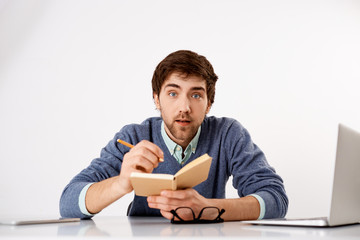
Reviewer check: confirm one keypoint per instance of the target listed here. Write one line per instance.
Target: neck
(180, 142)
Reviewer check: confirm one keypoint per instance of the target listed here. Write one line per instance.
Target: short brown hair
(188, 63)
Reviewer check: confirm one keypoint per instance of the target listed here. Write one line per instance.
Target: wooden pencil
(131, 146)
(125, 143)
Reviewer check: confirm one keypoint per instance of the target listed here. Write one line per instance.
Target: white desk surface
(103, 227)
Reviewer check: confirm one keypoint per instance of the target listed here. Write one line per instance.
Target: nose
(184, 105)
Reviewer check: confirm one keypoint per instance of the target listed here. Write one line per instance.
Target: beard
(184, 134)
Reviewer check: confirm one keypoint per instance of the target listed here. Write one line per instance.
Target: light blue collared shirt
(176, 150)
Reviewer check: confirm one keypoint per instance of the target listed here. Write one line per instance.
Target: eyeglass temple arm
(176, 215)
(220, 213)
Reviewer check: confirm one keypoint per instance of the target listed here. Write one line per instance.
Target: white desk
(152, 227)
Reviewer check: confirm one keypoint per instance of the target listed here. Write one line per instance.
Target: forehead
(185, 81)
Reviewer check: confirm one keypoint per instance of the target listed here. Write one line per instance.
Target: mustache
(183, 116)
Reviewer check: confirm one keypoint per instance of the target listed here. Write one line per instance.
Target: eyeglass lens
(186, 214)
(209, 213)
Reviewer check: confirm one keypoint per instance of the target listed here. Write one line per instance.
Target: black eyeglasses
(206, 215)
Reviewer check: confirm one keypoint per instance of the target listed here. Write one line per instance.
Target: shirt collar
(171, 145)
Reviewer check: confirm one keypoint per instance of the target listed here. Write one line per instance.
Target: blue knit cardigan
(224, 139)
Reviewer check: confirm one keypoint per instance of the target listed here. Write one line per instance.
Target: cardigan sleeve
(252, 174)
(106, 166)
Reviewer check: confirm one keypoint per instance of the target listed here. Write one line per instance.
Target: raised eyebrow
(177, 86)
(172, 85)
(198, 89)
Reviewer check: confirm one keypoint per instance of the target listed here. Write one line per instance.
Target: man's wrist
(262, 205)
(119, 187)
(244, 208)
(82, 200)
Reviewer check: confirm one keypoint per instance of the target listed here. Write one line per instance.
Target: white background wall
(72, 73)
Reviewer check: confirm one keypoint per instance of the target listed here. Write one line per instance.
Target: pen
(131, 146)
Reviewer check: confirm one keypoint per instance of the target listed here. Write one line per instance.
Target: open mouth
(183, 122)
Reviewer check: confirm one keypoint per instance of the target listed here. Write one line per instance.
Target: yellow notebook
(148, 184)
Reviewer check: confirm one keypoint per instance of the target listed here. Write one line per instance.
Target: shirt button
(178, 149)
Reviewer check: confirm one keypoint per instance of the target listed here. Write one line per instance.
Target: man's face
(183, 104)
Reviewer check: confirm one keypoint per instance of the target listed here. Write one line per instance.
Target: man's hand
(143, 157)
(169, 200)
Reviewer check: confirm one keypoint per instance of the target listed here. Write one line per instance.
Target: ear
(208, 108)
(157, 101)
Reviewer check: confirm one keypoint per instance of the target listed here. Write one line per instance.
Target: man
(183, 90)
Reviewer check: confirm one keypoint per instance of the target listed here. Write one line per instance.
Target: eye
(172, 94)
(196, 96)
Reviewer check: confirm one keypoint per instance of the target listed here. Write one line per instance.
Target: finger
(140, 157)
(164, 203)
(144, 165)
(134, 160)
(178, 194)
(163, 207)
(143, 153)
(153, 148)
(166, 214)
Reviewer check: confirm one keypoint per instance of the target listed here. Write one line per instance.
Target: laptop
(345, 197)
